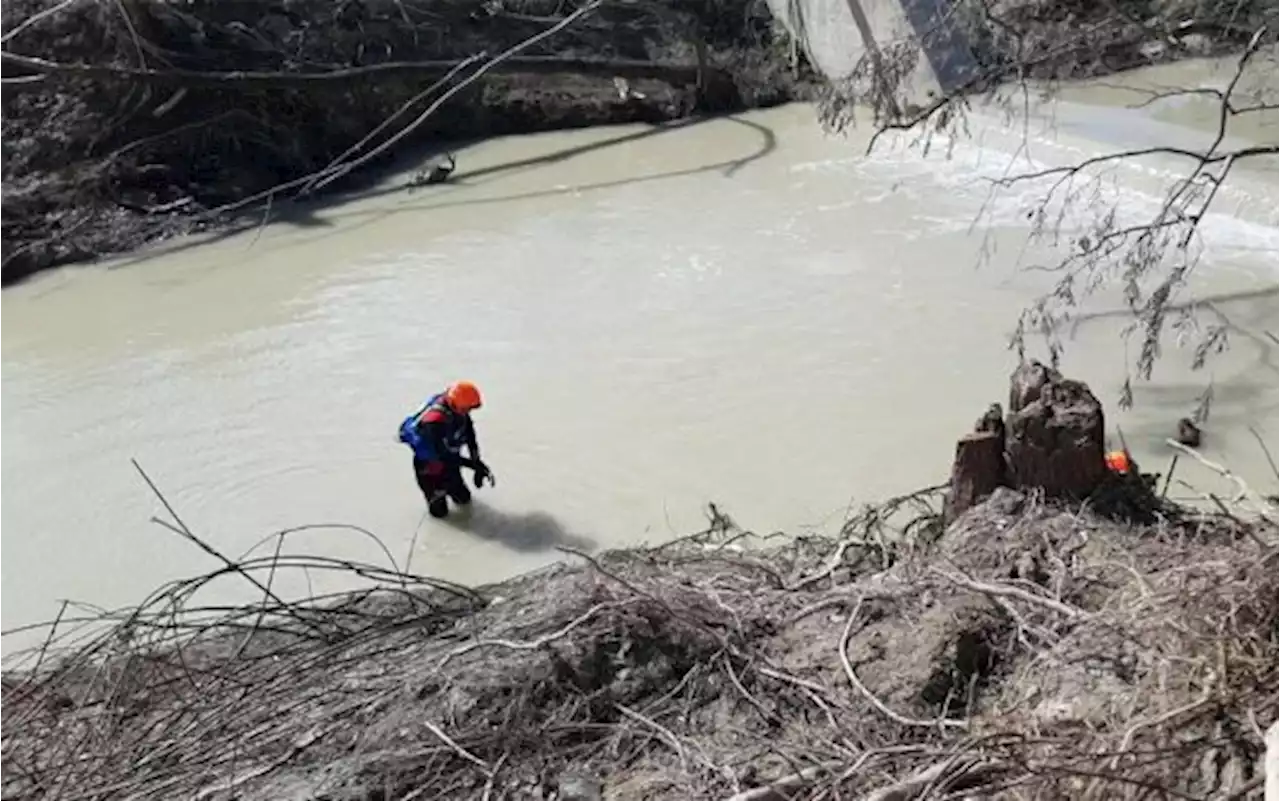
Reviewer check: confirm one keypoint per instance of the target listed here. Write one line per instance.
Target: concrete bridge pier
(838, 34)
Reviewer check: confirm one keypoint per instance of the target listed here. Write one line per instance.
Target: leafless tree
(1022, 53)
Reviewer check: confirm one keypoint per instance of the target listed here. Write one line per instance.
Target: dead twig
(931, 777)
(529, 64)
(457, 749)
(337, 163)
(1007, 591)
(532, 645)
(36, 19)
(1258, 504)
(785, 787)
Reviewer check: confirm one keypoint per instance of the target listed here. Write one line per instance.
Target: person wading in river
(436, 433)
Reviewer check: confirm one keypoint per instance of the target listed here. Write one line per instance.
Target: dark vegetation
(1008, 43)
(129, 121)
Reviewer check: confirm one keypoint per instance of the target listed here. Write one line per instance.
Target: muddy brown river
(741, 311)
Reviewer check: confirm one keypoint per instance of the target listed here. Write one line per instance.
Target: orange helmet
(463, 396)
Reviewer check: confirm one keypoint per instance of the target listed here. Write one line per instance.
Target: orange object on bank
(1118, 462)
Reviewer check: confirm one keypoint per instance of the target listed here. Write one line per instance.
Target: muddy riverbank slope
(128, 122)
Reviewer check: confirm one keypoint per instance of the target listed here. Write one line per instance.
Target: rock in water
(1188, 433)
(1054, 434)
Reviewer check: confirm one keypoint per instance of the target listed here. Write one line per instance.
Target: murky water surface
(739, 310)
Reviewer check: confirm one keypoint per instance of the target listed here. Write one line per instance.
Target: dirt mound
(1026, 651)
(124, 122)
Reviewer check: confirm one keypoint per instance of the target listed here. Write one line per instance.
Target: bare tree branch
(525, 64)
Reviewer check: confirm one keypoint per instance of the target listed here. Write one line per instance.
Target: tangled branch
(1122, 660)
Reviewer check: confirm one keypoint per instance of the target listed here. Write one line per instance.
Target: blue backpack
(408, 433)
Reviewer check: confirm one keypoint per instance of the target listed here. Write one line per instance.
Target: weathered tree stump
(1054, 434)
(980, 466)
(1027, 382)
(1052, 440)
(978, 469)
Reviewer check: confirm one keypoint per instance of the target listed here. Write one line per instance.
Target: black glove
(481, 473)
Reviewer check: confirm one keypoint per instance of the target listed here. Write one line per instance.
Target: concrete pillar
(838, 34)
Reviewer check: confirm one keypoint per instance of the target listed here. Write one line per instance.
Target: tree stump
(979, 466)
(978, 469)
(1054, 434)
(1027, 382)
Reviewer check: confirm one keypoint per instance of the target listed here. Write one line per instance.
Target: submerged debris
(1188, 433)
(435, 173)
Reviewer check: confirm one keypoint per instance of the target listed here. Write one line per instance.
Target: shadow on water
(727, 167)
(768, 143)
(526, 532)
(1248, 314)
(301, 215)
(1259, 298)
(1241, 397)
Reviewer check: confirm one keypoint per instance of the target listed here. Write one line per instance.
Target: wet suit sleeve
(473, 446)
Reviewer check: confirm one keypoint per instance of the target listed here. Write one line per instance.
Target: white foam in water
(965, 168)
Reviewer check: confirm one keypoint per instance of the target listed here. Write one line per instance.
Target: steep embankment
(129, 121)
(124, 122)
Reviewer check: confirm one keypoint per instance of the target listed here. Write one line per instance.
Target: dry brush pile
(1028, 650)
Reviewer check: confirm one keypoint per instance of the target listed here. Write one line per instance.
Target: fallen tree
(1030, 648)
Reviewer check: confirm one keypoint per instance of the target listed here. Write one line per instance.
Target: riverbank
(149, 120)
(166, 134)
(1024, 648)
(1040, 624)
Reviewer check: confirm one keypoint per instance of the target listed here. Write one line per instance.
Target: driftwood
(1052, 440)
(714, 666)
